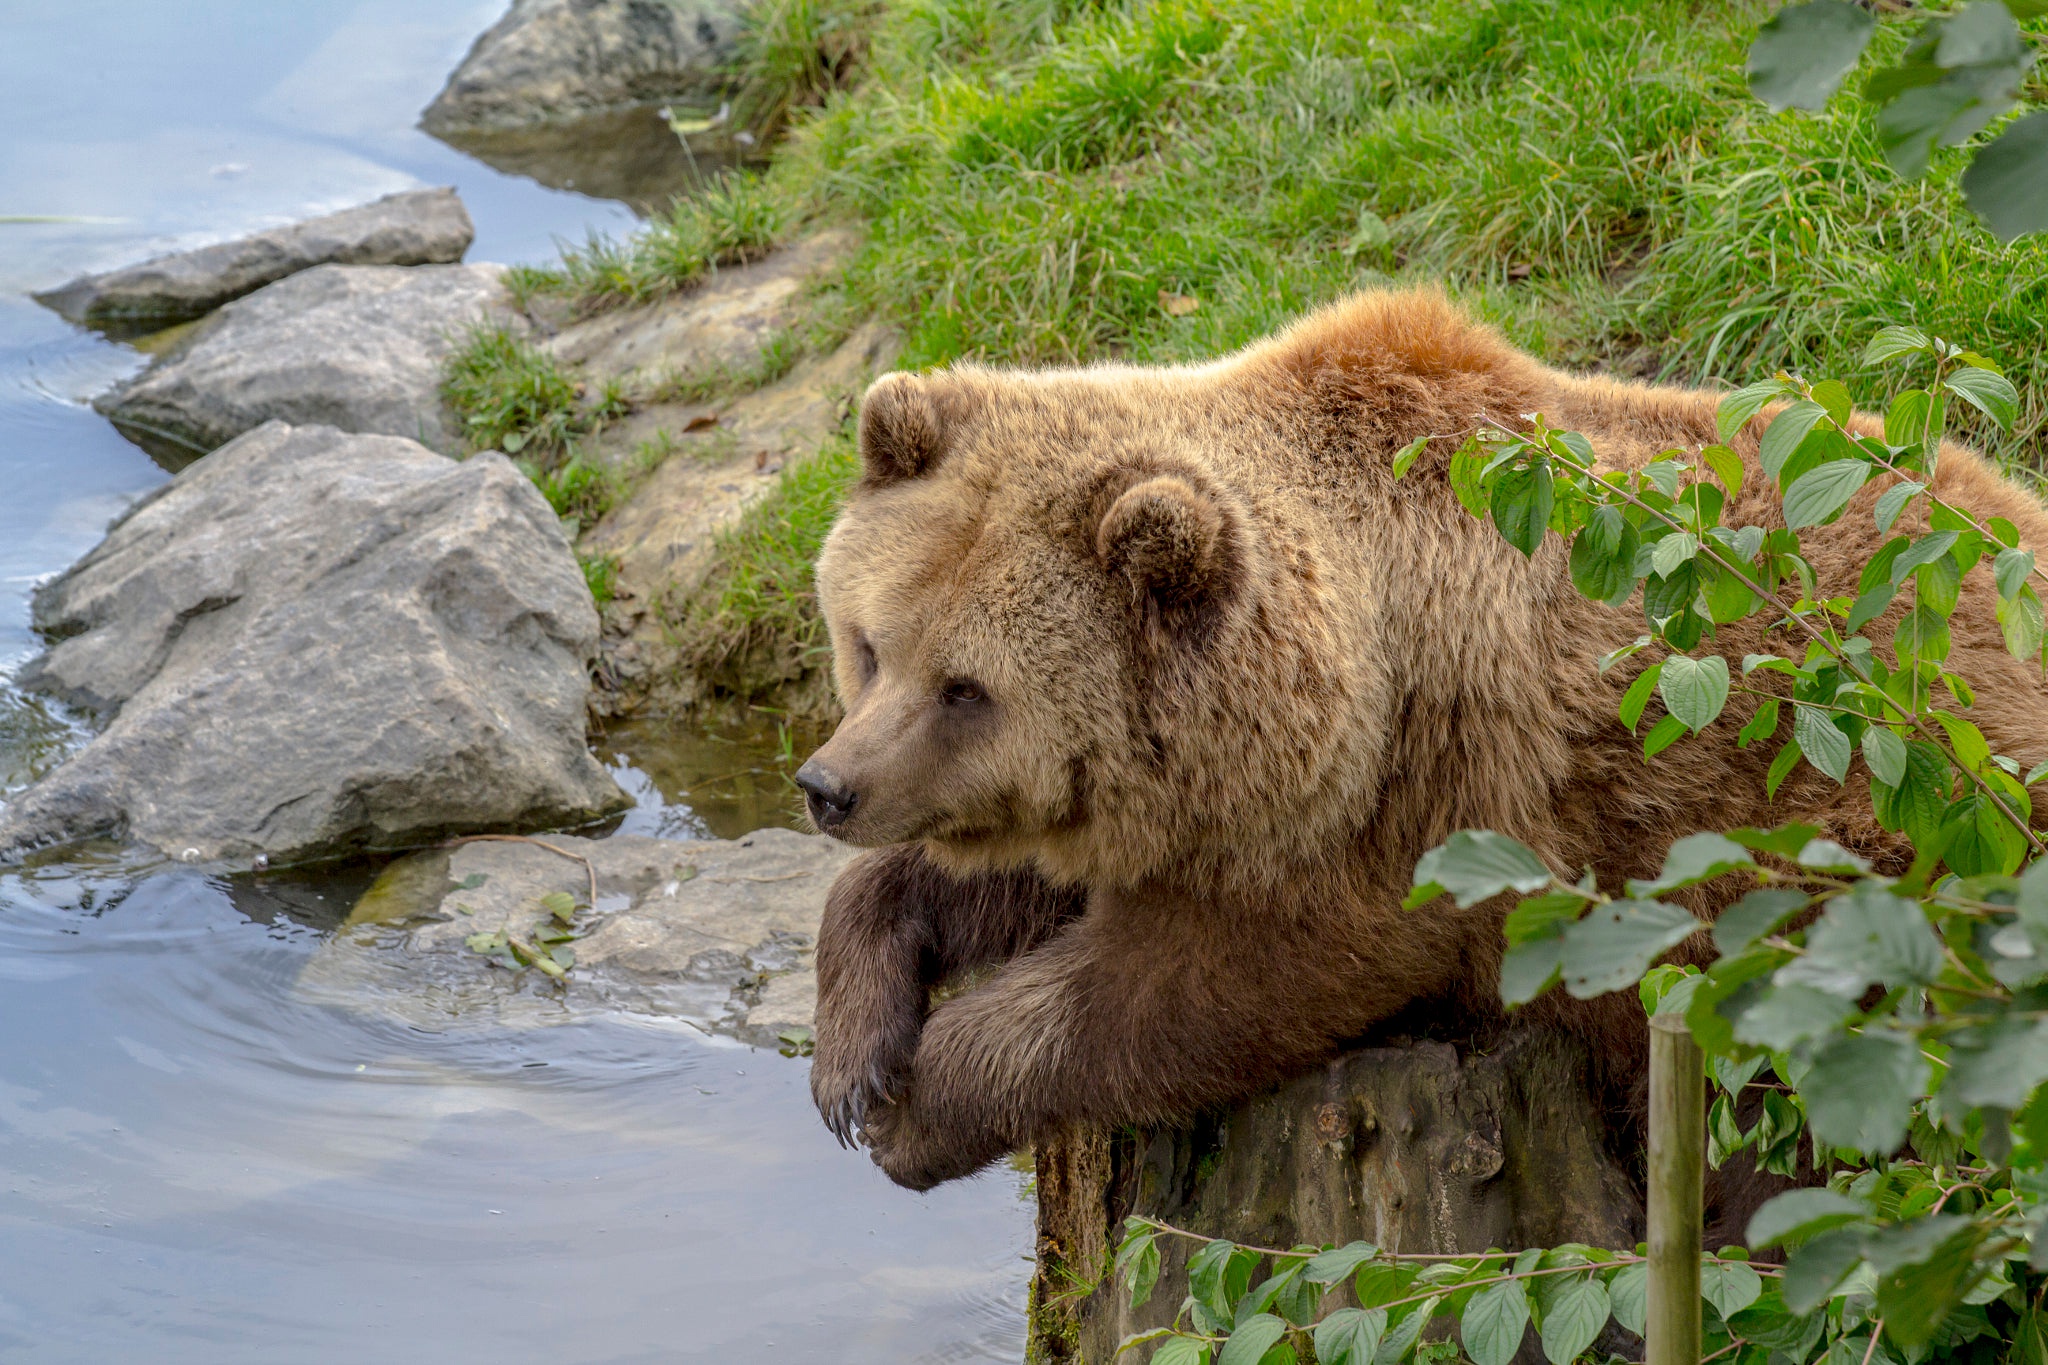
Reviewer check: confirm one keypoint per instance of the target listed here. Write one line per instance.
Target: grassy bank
(1036, 179)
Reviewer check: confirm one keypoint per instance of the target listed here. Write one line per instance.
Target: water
(196, 1162)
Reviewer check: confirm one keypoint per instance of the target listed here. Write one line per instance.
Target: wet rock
(357, 347)
(419, 227)
(1414, 1148)
(549, 60)
(716, 932)
(631, 155)
(310, 642)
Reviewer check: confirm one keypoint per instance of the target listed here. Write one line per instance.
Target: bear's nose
(830, 800)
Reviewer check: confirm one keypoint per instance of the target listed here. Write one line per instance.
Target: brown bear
(1157, 683)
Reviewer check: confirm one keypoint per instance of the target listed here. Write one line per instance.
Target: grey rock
(419, 227)
(358, 347)
(311, 642)
(558, 59)
(718, 933)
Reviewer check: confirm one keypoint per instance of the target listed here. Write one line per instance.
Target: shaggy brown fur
(1157, 684)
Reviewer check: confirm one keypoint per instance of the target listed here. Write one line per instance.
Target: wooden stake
(1678, 1144)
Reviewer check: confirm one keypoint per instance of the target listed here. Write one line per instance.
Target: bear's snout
(829, 800)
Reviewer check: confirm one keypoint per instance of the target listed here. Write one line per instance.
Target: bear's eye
(962, 692)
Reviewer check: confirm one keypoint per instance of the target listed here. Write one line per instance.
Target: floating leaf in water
(797, 1041)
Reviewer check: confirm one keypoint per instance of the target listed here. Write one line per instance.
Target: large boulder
(418, 227)
(311, 642)
(358, 347)
(718, 933)
(550, 60)
(1420, 1147)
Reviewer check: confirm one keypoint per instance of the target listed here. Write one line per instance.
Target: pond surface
(197, 1163)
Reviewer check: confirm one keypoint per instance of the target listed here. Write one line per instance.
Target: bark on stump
(1416, 1148)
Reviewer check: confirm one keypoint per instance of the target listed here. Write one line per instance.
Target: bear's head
(1073, 627)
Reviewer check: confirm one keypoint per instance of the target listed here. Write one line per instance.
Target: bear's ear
(1174, 541)
(901, 434)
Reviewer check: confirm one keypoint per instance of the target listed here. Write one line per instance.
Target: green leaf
(1957, 74)
(1905, 422)
(1737, 408)
(1331, 1266)
(1833, 395)
(1181, 1351)
(1521, 506)
(1781, 767)
(1803, 52)
(1730, 1286)
(1825, 855)
(1813, 1272)
(1922, 634)
(1990, 393)
(1785, 433)
(560, 904)
(1785, 1015)
(472, 881)
(1673, 550)
(1543, 916)
(1628, 1296)
(1999, 1064)
(1251, 1339)
(1602, 573)
(1865, 937)
(1138, 1259)
(1404, 459)
(1819, 495)
(1860, 1088)
(1209, 1278)
(1727, 467)
(2011, 570)
(1572, 1317)
(1611, 948)
(1695, 858)
(2007, 182)
(2020, 620)
(1822, 741)
(1529, 969)
(1755, 916)
(1930, 547)
(1694, 690)
(1966, 739)
(1492, 1324)
(1638, 695)
(1663, 735)
(1474, 864)
(1885, 752)
(1894, 502)
(1350, 1336)
(1796, 1215)
(1933, 1266)
(1761, 726)
(1891, 342)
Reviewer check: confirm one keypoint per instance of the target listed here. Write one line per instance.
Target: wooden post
(1678, 1143)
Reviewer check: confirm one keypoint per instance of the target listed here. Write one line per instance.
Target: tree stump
(1422, 1147)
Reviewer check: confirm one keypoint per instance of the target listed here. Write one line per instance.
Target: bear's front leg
(895, 926)
(1148, 1012)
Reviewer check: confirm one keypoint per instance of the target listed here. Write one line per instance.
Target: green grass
(755, 620)
(1591, 175)
(733, 221)
(510, 394)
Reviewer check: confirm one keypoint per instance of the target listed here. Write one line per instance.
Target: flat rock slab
(418, 227)
(549, 60)
(311, 642)
(720, 327)
(356, 347)
(718, 933)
